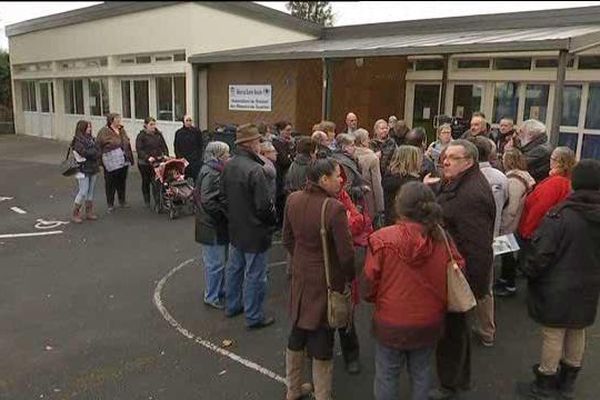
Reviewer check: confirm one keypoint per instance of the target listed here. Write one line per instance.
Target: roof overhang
(116, 8)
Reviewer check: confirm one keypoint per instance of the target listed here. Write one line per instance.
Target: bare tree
(315, 11)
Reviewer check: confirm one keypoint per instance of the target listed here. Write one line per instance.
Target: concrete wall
(188, 27)
(184, 26)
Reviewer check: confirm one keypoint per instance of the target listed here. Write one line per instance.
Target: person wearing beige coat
(371, 173)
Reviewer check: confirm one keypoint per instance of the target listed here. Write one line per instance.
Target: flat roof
(115, 8)
(504, 40)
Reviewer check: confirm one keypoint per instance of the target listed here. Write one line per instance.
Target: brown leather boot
(294, 366)
(76, 218)
(89, 211)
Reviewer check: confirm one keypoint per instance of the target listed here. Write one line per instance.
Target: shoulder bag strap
(324, 243)
(447, 243)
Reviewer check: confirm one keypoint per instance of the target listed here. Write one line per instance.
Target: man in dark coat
(469, 212)
(563, 270)
(479, 127)
(417, 137)
(383, 144)
(322, 142)
(190, 145)
(286, 150)
(533, 143)
(251, 217)
(296, 178)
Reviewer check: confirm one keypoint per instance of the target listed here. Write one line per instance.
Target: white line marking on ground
(32, 234)
(203, 342)
(43, 224)
(277, 264)
(2, 198)
(18, 210)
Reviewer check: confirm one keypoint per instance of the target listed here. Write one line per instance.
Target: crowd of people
(378, 215)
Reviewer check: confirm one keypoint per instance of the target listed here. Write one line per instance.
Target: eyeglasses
(456, 158)
(188, 120)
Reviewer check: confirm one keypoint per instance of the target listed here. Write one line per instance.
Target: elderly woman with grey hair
(371, 173)
(211, 222)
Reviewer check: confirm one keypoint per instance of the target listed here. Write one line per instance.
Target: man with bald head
(189, 144)
(479, 127)
(351, 123)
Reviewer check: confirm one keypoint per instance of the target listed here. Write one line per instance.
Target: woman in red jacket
(405, 276)
(548, 192)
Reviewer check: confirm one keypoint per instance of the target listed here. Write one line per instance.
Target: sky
(345, 12)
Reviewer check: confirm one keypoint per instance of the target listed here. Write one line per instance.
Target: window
(141, 99)
(568, 139)
(512, 63)
(536, 102)
(135, 99)
(103, 62)
(47, 97)
(127, 61)
(571, 104)
(163, 58)
(506, 101)
(473, 64)
(591, 147)
(73, 96)
(429, 65)
(126, 98)
(553, 62)
(179, 57)
(28, 96)
(589, 62)
(467, 100)
(592, 116)
(143, 60)
(99, 96)
(170, 98)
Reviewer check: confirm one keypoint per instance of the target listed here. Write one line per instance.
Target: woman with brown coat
(308, 297)
(371, 173)
(117, 156)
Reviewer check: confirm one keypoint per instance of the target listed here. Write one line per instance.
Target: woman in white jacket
(520, 183)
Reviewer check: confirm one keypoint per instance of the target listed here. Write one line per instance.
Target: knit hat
(586, 175)
(246, 133)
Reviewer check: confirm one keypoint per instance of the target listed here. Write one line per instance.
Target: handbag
(339, 305)
(460, 295)
(69, 166)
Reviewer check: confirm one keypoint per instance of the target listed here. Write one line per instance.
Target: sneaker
(110, 209)
(217, 304)
(268, 321)
(353, 367)
(499, 283)
(506, 291)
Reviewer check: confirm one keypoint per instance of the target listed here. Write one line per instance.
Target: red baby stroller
(174, 191)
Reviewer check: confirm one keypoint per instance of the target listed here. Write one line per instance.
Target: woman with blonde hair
(405, 166)
(444, 137)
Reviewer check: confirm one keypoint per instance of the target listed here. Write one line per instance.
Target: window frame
(173, 98)
(51, 108)
(74, 97)
(29, 87)
(132, 97)
(102, 94)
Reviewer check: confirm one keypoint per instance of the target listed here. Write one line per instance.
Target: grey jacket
(211, 218)
(499, 184)
(371, 173)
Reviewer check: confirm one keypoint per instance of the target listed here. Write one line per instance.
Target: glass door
(426, 107)
(467, 99)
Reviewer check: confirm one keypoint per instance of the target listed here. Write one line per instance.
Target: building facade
(240, 62)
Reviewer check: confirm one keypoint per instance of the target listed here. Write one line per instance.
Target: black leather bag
(69, 166)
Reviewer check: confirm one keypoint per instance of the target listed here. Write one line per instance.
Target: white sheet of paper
(505, 244)
(426, 113)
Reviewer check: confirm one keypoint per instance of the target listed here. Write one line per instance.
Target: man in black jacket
(563, 270)
(190, 145)
(469, 212)
(251, 216)
(533, 143)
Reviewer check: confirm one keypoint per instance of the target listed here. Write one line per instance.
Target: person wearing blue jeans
(214, 258)
(246, 277)
(211, 222)
(251, 221)
(87, 154)
(389, 363)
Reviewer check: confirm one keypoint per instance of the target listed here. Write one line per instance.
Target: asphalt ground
(79, 316)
